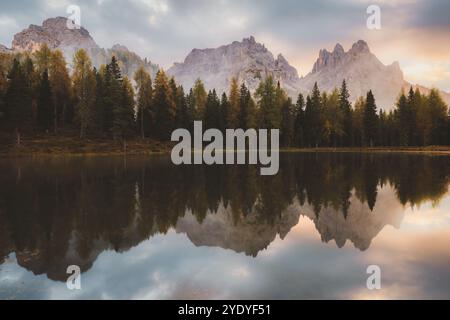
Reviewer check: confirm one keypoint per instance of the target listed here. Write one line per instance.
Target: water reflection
(55, 213)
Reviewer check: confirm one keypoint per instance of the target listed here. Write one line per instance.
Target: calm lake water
(141, 228)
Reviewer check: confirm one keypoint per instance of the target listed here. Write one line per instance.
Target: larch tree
(234, 103)
(200, 96)
(144, 100)
(268, 98)
(43, 59)
(45, 108)
(84, 85)
(164, 107)
(61, 89)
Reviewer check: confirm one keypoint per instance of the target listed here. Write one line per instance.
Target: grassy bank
(53, 145)
(60, 146)
(428, 149)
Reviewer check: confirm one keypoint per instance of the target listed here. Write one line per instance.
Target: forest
(39, 95)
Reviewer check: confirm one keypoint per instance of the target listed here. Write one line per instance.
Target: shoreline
(91, 148)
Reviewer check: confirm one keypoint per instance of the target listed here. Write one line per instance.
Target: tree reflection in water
(57, 212)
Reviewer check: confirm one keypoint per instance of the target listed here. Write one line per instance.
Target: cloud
(165, 31)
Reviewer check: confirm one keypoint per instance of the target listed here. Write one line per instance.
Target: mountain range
(248, 61)
(55, 33)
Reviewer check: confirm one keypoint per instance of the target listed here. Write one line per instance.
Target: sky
(413, 257)
(415, 33)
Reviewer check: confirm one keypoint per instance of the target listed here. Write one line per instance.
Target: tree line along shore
(47, 109)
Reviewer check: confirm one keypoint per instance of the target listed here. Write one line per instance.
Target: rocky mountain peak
(248, 60)
(362, 70)
(119, 47)
(338, 49)
(4, 49)
(55, 33)
(360, 47)
(327, 58)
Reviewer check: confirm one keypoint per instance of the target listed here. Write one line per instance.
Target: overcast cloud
(414, 32)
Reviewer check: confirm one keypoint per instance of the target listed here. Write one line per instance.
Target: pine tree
(234, 102)
(43, 58)
(200, 96)
(145, 92)
(3, 86)
(45, 108)
(268, 100)
(333, 118)
(370, 120)
(423, 116)
(313, 118)
(287, 123)
(84, 84)
(61, 89)
(299, 114)
(412, 116)
(346, 109)
(247, 109)
(403, 120)
(358, 122)
(439, 113)
(164, 107)
(191, 103)
(212, 111)
(183, 118)
(224, 112)
(18, 99)
(123, 113)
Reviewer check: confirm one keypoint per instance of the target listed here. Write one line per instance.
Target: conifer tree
(313, 118)
(234, 103)
(247, 109)
(412, 116)
(123, 113)
(224, 111)
(144, 99)
(183, 118)
(370, 120)
(287, 123)
(43, 58)
(45, 108)
(268, 99)
(164, 107)
(200, 96)
(61, 89)
(333, 118)
(403, 120)
(346, 109)
(18, 99)
(439, 113)
(299, 114)
(84, 84)
(191, 103)
(212, 111)
(358, 122)
(3, 86)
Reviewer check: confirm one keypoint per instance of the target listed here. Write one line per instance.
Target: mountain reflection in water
(60, 212)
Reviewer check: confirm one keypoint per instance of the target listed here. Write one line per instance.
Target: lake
(142, 228)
